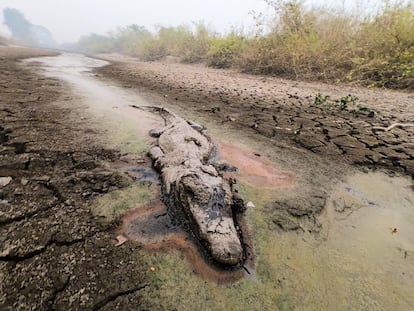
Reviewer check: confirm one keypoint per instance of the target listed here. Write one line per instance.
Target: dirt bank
(335, 121)
(54, 254)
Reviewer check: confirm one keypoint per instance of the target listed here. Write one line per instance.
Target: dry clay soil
(54, 254)
(285, 111)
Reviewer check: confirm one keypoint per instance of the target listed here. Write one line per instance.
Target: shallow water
(107, 101)
(363, 259)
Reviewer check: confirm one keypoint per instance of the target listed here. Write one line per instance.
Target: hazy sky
(68, 19)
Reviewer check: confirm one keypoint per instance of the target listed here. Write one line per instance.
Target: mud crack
(43, 249)
(56, 292)
(101, 304)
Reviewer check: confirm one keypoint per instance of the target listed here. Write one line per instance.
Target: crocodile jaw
(207, 200)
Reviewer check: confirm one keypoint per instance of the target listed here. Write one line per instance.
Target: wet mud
(153, 228)
(253, 168)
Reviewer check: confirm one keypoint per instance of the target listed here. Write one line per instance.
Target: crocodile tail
(166, 114)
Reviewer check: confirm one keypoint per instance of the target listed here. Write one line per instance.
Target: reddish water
(254, 169)
(149, 227)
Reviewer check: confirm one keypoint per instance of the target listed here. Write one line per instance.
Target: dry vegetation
(299, 42)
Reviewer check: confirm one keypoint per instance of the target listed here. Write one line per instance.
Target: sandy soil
(54, 254)
(285, 111)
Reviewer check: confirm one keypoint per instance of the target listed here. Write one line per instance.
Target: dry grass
(316, 44)
(301, 43)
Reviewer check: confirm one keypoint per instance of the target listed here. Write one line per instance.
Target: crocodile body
(183, 156)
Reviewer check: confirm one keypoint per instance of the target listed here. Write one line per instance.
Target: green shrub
(224, 52)
(303, 44)
(178, 41)
(196, 46)
(152, 49)
(130, 39)
(174, 38)
(95, 44)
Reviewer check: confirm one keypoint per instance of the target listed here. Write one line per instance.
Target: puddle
(359, 262)
(152, 227)
(253, 168)
(138, 170)
(375, 212)
(109, 100)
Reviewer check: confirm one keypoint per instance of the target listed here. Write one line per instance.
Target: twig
(389, 128)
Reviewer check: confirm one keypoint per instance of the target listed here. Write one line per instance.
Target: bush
(224, 52)
(303, 44)
(316, 44)
(152, 49)
(299, 43)
(174, 38)
(385, 49)
(95, 44)
(196, 46)
(178, 41)
(130, 39)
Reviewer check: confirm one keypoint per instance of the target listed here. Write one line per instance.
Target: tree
(25, 32)
(18, 25)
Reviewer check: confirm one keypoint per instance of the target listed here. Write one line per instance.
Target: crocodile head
(207, 200)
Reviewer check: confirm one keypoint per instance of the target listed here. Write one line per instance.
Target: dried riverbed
(286, 111)
(54, 253)
(324, 234)
(352, 239)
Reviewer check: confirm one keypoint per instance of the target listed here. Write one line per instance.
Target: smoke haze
(67, 20)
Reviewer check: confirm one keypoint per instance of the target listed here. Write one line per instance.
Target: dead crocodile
(183, 157)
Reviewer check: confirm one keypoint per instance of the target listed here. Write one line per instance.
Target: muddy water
(109, 102)
(152, 228)
(363, 258)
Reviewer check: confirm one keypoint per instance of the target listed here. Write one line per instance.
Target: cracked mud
(54, 254)
(286, 111)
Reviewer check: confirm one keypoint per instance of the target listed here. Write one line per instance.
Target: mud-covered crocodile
(191, 179)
